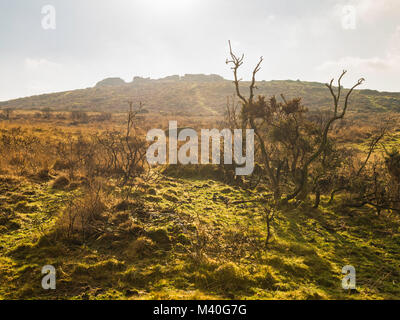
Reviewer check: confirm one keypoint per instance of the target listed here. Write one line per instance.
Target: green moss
(141, 248)
(153, 198)
(202, 248)
(170, 197)
(160, 236)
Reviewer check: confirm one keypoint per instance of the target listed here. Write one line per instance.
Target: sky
(81, 42)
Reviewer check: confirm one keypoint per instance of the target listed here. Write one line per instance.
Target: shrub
(43, 175)
(141, 248)
(83, 217)
(60, 183)
(60, 165)
(160, 236)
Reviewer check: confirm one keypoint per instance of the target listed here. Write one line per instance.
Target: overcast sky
(309, 40)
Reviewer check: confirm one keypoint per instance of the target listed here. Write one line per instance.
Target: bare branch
(324, 140)
(372, 146)
(253, 80)
(335, 98)
(340, 85)
(360, 82)
(237, 62)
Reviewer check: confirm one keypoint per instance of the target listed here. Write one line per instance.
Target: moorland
(77, 193)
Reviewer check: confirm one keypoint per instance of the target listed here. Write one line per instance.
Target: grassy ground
(184, 239)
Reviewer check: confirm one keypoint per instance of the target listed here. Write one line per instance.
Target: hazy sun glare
(169, 6)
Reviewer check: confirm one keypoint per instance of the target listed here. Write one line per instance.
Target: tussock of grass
(194, 247)
(60, 183)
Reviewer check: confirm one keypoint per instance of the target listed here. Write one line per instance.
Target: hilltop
(197, 94)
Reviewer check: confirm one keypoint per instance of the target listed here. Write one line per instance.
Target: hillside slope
(180, 239)
(194, 94)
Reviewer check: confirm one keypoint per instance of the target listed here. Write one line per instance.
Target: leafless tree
(298, 144)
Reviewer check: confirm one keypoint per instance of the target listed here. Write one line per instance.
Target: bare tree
(124, 152)
(337, 115)
(296, 144)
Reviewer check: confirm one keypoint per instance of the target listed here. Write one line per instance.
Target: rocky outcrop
(202, 77)
(111, 82)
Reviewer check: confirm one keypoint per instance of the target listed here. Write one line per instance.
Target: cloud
(368, 64)
(41, 75)
(390, 60)
(381, 71)
(356, 13)
(394, 44)
(40, 64)
(369, 11)
(372, 10)
(96, 39)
